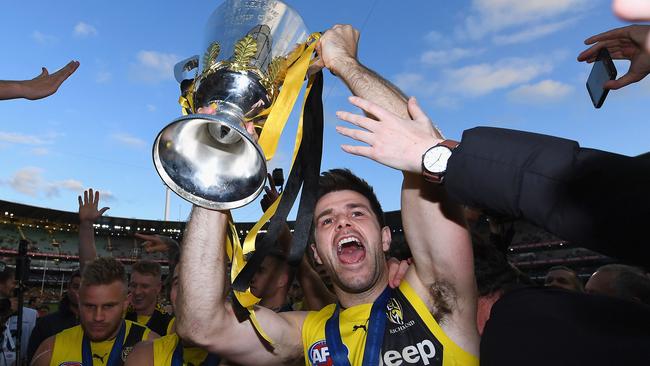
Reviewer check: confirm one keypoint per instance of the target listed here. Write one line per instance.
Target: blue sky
(505, 63)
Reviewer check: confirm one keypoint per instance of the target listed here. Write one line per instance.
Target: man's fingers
(81, 203)
(96, 197)
(271, 181)
(357, 120)
(370, 107)
(624, 80)
(104, 209)
(365, 151)
(144, 236)
(359, 135)
(85, 197)
(415, 111)
(609, 35)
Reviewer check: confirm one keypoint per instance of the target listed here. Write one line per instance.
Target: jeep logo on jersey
(319, 354)
(394, 311)
(421, 353)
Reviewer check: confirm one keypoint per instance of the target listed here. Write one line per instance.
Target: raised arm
(337, 49)
(205, 318)
(39, 87)
(434, 226)
(88, 214)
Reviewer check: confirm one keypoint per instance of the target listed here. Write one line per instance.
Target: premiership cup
(210, 160)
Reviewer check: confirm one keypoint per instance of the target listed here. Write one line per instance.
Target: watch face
(435, 160)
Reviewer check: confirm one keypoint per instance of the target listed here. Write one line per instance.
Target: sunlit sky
(504, 63)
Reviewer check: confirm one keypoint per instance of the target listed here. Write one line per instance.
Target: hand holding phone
(602, 71)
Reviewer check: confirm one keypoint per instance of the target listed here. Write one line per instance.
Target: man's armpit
(445, 299)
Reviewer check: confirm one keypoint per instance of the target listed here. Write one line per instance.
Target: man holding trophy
(429, 319)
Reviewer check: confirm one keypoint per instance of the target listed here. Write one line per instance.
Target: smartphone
(602, 71)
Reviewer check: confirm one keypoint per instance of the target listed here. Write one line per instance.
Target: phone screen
(602, 71)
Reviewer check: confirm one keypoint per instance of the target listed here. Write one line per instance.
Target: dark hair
(630, 282)
(147, 267)
(343, 179)
(493, 271)
(103, 271)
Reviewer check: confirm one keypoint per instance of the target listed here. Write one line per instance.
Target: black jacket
(595, 199)
(50, 325)
(546, 326)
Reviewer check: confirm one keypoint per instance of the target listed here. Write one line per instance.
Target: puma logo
(100, 358)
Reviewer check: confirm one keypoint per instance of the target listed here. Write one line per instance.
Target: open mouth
(350, 250)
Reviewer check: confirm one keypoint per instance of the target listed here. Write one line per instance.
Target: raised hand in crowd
(89, 212)
(626, 43)
(39, 87)
(392, 141)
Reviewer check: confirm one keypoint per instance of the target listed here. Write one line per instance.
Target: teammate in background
(103, 337)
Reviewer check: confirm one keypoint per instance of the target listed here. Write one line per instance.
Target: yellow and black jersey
(68, 343)
(163, 352)
(411, 337)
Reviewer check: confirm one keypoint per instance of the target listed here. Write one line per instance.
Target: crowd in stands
(460, 282)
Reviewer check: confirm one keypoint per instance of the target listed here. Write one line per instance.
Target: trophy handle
(182, 68)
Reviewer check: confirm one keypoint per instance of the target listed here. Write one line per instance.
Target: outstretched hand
(392, 141)
(153, 243)
(88, 207)
(47, 84)
(626, 43)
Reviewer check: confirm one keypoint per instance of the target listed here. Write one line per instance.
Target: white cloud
(151, 108)
(481, 79)
(84, 30)
(438, 57)
(546, 91)
(19, 138)
(533, 33)
(103, 77)
(490, 16)
(43, 38)
(154, 66)
(128, 140)
(30, 181)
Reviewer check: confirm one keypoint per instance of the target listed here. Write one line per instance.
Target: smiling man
(145, 287)
(103, 337)
(429, 320)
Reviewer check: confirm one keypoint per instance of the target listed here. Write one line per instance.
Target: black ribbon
(177, 358)
(305, 173)
(114, 358)
(375, 333)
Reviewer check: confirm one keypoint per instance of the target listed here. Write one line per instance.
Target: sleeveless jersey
(411, 337)
(67, 345)
(157, 322)
(163, 351)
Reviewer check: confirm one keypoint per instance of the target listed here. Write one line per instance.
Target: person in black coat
(65, 317)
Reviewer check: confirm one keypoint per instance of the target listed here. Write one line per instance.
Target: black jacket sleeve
(595, 199)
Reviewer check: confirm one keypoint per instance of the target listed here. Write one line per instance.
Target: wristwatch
(434, 161)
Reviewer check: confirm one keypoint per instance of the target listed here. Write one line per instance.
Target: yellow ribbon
(269, 141)
(286, 99)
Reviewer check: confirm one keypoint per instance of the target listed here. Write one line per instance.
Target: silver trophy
(210, 159)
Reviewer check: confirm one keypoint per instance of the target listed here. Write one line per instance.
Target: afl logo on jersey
(394, 311)
(319, 354)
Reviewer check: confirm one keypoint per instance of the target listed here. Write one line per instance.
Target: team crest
(125, 352)
(394, 313)
(319, 354)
